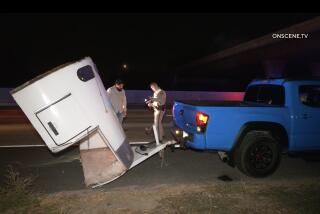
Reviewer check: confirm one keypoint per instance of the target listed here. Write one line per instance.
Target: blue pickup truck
(275, 116)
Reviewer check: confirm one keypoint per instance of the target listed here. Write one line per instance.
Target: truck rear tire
(258, 155)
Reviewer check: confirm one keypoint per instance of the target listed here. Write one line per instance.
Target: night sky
(152, 45)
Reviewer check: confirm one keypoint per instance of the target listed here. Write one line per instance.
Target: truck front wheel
(258, 155)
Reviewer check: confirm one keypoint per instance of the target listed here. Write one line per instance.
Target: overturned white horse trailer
(68, 104)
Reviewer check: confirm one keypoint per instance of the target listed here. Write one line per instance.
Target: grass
(16, 196)
(303, 198)
(16, 193)
(245, 198)
(210, 199)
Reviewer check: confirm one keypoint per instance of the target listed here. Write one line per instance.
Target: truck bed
(221, 103)
(224, 120)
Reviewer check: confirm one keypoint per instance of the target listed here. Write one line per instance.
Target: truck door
(306, 127)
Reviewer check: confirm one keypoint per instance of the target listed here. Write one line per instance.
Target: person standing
(118, 99)
(158, 103)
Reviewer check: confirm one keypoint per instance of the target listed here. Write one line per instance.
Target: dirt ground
(228, 197)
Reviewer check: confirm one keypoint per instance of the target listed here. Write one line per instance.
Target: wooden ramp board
(100, 166)
(99, 163)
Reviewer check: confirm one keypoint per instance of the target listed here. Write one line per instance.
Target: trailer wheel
(258, 155)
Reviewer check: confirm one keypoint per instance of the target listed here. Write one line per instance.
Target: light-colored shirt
(118, 99)
(159, 98)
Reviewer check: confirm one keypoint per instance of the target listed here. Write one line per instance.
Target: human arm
(124, 104)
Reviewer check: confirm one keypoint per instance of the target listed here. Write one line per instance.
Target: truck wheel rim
(260, 156)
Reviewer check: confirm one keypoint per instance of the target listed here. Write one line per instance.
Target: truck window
(310, 95)
(265, 94)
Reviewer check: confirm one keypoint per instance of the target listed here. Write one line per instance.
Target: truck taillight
(201, 119)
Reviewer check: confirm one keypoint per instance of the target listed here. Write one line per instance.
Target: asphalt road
(63, 171)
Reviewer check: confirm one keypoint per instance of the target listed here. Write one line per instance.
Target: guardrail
(136, 97)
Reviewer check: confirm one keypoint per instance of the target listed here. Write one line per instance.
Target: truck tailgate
(185, 116)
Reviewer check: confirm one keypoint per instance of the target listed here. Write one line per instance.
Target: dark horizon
(151, 45)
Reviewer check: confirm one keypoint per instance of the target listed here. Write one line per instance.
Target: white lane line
(21, 146)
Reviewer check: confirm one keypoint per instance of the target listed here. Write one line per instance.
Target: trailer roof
(41, 76)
